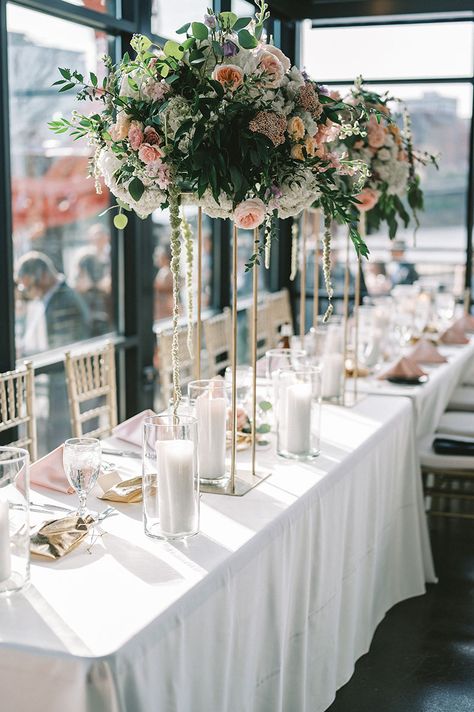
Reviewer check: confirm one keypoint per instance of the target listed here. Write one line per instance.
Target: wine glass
(81, 460)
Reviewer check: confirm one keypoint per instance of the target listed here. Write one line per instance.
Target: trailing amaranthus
(327, 266)
(175, 242)
(294, 250)
(188, 247)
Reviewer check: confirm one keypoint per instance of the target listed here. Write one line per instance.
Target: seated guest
(400, 270)
(93, 287)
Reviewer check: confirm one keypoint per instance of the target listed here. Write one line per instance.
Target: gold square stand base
(244, 481)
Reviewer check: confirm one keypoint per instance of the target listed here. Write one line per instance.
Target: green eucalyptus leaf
(247, 40)
(136, 188)
(241, 23)
(265, 405)
(228, 19)
(264, 428)
(182, 30)
(120, 221)
(200, 31)
(67, 87)
(173, 49)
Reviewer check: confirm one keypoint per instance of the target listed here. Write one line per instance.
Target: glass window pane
(163, 283)
(395, 51)
(243, 8)
(104, 6)
(167, 17)
(61, 244)
(52, 410)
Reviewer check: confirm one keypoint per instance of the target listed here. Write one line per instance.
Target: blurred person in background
(91, 285)
(400, 270)
(54, 314)
(376, 278)
(163, 284)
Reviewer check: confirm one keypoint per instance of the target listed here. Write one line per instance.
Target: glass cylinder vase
(14, 520)
(211, 399)
(170, 477)
(298, 411)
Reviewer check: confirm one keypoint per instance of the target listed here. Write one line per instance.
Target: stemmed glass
(81, 460)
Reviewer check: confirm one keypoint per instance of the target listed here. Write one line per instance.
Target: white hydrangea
(310, 124)
(292, 82)
(395, 173)
(384, 154)
(221, 209)
(246, 59)
(152, 197)
(297, 194)
(177, 111)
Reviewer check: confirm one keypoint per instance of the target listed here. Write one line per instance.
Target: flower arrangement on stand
(220, 120)
(392, 159)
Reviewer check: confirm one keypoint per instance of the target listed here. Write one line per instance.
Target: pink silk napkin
(454, 335)
(48, 471)
(466, 322)
(426, 352)
(131, 430)
(403, 368)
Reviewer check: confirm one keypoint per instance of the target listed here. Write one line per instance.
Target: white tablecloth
(266, 610)
(431, 398)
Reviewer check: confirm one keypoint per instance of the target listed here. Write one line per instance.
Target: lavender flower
(229, 48)
(323, 89)
(210, 21)
(276, 191)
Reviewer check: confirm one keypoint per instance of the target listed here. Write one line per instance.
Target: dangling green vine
(294, 250)
(189, 250)
(175, 241)
(327, 266)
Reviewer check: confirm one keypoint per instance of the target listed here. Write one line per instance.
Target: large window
(61, 244)
(429, 67)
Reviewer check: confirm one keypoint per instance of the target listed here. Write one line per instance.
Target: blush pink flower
(119, 130)
(271, 69)
(283, 59)
(152, 136)
(135, 135)
(148, 154)
(249, 214)
(376, 133)
(326, 132)
(229, 75)
(155, 91)
(358, 145)
(367, 198)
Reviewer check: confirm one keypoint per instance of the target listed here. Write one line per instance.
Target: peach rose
(358, 145)
(151, 136)
(229, 75)
(368, 199)
(403, 156)
(376, 133)
(271, 69)
(135, 135)
(285, 62)
(297, 152)
(249, 214)
(148, 153)
(120, 129)
(296, 128)
(310, 146)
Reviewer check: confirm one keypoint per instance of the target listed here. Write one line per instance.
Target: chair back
(90, 376)
(165, 365)
(280, 313)
(217, 334)
(17, 406)
(264, 329)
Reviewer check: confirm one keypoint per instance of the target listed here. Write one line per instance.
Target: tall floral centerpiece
(220, 120)
(392, 191)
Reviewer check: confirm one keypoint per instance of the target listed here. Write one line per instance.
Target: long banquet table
(266, 609)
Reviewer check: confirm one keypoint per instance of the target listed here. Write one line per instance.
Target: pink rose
(271, 69)
(327, 132)
(135, 135)
(152, 136)
(229, 75)
(249, 214)
(285, 62)
(367, 198)
(376, 133)
(148, 154)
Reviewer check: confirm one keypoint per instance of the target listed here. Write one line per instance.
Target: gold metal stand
(199, 297)
(316, 231)
(245, 478)
(346, 319)
(303, 280)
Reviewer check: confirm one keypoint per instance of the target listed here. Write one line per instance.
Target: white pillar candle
(211, 414)
(332, 375)
(298, 413)
(5, 556)
(176, 492)
(280, 383)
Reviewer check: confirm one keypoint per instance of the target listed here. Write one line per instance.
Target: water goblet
(81, 460)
